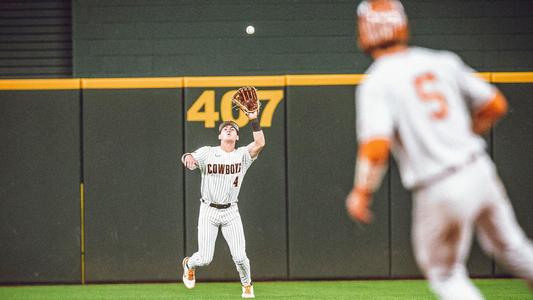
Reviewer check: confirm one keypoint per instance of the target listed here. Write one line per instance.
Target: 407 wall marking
(203, 108)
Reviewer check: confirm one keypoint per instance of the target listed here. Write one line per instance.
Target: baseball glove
(246, 99)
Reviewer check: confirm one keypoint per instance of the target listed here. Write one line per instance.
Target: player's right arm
(487, 103)
(487, 115)
(195, 159)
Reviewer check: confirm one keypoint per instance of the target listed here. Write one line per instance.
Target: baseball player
(430, 109)
(223, 169)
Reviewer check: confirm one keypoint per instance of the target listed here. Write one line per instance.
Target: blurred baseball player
(223, 169)
(430, 109)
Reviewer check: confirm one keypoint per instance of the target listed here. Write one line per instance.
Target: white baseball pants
(444, 217)
(229, 221)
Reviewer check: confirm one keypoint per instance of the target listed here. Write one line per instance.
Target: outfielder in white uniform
(223, 169)
(429, 108)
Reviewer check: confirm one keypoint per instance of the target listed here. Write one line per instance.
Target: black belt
(217, 206)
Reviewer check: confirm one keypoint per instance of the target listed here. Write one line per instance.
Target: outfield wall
(147, 38)
(92, 189)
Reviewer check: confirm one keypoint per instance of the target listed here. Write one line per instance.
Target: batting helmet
(381, 23)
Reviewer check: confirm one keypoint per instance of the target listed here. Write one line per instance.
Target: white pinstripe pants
(229, 221)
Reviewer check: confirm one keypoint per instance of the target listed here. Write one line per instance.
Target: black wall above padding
(204, 38)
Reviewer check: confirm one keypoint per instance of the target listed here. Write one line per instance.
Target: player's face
(228, 133)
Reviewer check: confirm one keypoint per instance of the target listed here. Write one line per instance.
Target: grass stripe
(510, 289)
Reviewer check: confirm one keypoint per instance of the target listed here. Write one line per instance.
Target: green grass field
(375, 289)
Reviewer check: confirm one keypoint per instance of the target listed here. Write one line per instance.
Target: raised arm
(259, 138)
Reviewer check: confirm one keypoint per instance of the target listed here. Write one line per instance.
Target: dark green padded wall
(140, 218)
(512, 152)
(262, 200)
(133, 184)
(39, 186)
(321, 147)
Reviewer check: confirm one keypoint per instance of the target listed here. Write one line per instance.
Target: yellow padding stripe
(485, 75)
(40, 84)
(234, 81)
(512, 77)
(220, 81)
(82, 232)
(333, 79)
(132, 83)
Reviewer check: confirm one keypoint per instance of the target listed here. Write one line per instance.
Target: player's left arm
(375, 127)
(259, 138)
(370, 167)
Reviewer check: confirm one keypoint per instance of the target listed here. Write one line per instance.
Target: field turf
(375, 289)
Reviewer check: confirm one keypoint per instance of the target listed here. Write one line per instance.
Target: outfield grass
(376, 289)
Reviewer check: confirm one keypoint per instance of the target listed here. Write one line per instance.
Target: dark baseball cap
(226, 123)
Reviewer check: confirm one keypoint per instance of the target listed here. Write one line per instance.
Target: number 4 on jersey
(236, 182)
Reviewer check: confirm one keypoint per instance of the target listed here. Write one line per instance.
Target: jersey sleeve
(200, 155)
(374, 116)
(477, 92)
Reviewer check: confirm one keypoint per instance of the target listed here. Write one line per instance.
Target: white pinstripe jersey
(222, 172)
(421, 100)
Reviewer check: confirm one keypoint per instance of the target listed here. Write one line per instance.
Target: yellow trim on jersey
(132, 83)
(39, 84)
(512, 77)
(326, 79)
(234, 81)
(220, 81)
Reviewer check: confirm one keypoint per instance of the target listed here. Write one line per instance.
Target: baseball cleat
(248, 291)
(189, 278)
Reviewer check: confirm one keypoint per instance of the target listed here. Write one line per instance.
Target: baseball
(250, 29)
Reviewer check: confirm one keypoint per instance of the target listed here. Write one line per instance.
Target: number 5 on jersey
(425, 89)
